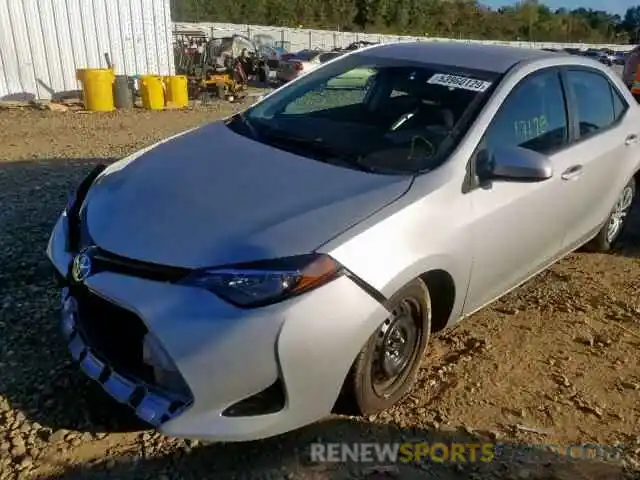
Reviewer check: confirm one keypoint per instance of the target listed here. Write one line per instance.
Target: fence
(324, 39)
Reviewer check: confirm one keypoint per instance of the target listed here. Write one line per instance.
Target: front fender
(458, 268)
(408, 239)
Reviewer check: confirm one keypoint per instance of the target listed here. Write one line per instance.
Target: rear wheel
(611, 231)
(387, 365)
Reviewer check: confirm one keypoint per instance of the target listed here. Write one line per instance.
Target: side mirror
(515, 164)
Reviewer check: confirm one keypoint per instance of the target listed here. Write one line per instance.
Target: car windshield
(370, 113)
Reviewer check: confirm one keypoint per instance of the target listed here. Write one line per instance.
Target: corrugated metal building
(43, 42)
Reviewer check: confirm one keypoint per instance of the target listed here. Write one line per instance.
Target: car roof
(473, 56)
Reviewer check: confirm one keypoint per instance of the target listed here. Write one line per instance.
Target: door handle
(572, 172)
(631, 139)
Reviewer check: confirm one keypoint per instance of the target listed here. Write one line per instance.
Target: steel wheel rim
(619, 213)
(397, 342)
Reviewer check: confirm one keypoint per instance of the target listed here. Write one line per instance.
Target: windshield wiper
(247, 123)
(319, 146)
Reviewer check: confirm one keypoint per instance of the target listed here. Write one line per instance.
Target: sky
(613, 6)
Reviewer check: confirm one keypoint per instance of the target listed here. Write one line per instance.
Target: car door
(518, 227)
(605, 149)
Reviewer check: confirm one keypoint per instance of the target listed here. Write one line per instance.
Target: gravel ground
(555, 362)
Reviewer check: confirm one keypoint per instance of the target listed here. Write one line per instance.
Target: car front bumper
(224, 355)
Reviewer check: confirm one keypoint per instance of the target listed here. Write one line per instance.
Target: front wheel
(387, 365)
(611, 231)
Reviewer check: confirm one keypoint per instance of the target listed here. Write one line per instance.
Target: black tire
(605, 240)
(361, 395)
(221, 91)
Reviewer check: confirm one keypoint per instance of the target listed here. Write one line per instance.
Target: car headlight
(269, 281)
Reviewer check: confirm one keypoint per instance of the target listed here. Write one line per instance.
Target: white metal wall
(43, 42)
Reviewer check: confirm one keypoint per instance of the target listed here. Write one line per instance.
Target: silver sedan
(251, 276)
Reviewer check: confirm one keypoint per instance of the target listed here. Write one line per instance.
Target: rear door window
(595, 107)
(620, 105)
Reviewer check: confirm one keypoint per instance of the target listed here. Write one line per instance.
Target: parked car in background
(599, 55)
(251, 276)
(269, 49)
(287, 55)
(620, 58)
(573, 50)
(358, 45)
(328, 56)
(302, 62)
(271, 56)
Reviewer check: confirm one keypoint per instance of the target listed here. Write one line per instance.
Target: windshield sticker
(454, 81)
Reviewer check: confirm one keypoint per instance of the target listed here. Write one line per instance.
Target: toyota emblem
(81, 268)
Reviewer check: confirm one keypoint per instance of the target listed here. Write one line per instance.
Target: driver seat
(435, 115)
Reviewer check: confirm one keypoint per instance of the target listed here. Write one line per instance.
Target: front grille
(107, 341)
(114, 333)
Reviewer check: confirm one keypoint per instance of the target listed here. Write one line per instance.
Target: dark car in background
(599, 55)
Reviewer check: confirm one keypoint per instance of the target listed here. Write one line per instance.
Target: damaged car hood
(211, 197)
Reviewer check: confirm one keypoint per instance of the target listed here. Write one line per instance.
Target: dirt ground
(554, 362)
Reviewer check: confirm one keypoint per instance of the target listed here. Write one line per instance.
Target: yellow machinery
(223, 86)
(97, 88)
(228, 85)
(152, 92)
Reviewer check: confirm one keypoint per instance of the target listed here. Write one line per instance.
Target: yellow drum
(97, 88)
(177, 91)
(152, 92)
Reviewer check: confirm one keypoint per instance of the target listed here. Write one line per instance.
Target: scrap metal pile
(223, 67)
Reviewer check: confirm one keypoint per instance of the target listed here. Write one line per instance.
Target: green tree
(524, 20)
